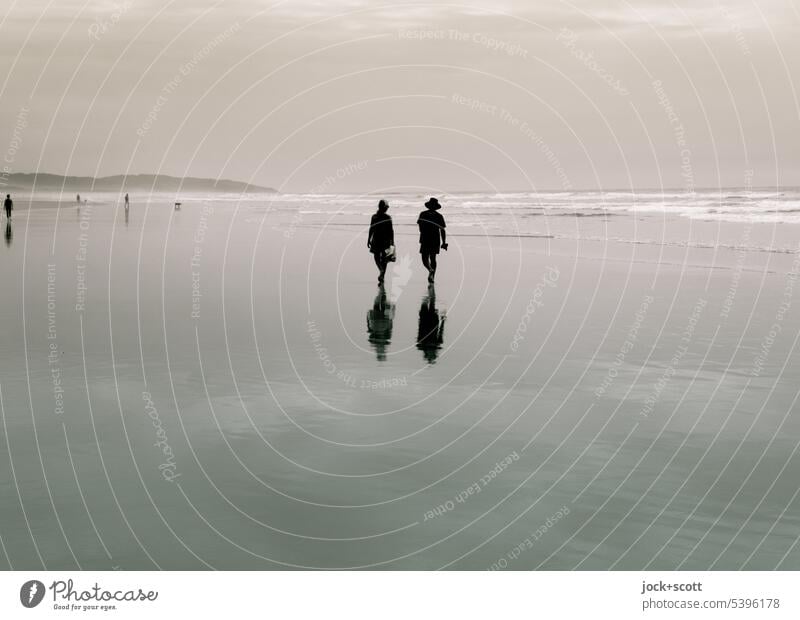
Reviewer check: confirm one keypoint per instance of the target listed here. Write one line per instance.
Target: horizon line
(561, 190)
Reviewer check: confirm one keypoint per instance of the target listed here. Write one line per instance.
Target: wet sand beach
(226, 386)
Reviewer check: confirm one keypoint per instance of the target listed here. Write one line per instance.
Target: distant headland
(29, 181)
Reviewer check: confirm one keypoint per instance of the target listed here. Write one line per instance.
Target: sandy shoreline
(634, 383)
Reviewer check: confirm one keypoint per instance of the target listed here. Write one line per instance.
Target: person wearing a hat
(431, 229)
(381, 238)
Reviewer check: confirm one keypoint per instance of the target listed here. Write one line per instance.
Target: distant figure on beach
(9, 205)
(381, 239)
(78, 199)
(380, 319)
(431, 229)
(9, 234)
(127, 201)
(430, 336)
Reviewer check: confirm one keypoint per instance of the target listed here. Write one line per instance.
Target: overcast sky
(438, 96)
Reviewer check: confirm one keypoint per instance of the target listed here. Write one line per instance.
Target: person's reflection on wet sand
(9, 234)
(430, 336)
(126, 214)
(380, 319)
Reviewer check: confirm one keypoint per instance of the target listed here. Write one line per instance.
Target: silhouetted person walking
(9, 205)
(380, 320)
(78, 198)
(430, 336)
(127, 201)
(431, 229)
(381, 238)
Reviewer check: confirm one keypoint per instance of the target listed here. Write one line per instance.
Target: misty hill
(118, 183)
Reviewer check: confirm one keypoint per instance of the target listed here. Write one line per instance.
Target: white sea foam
(766, 206)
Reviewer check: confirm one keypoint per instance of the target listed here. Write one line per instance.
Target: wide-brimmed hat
(433, 204)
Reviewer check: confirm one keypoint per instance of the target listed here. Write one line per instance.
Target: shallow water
(575, 392)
